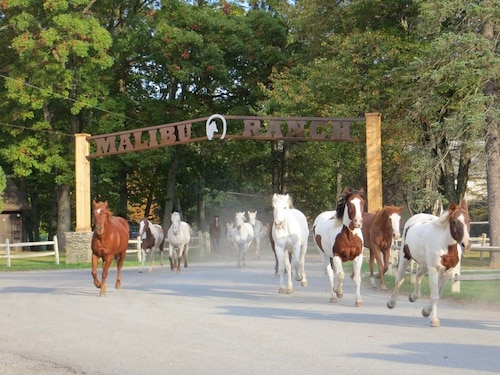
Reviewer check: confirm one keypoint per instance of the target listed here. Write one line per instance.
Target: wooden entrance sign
(261, 128)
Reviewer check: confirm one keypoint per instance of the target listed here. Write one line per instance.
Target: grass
(483, 292)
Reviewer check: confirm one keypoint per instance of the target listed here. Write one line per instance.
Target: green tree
(55, 51)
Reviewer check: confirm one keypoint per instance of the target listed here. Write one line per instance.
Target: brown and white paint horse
(338, 238)
(152, 238)
(436, 244)
(379, 230)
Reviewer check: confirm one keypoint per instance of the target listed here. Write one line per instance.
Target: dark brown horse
(110, 240)
(379, 230)
(215, 232)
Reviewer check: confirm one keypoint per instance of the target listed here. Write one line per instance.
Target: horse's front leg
(106, 263)
(387, 254)
(371, 264)
(338, 271)
(282, 257)
(329, 275)
(400, 278)
(151, 258)
(95, 260)
(143, 259)
(119, 265)
(171, 257)
(431, 309)
(356, 266)
(186, 251)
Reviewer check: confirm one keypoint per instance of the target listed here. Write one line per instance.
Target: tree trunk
(285, 167)
(63, 214)
(492, 158)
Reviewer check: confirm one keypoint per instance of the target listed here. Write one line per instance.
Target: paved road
(216, 319)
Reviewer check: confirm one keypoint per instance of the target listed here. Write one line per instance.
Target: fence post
(455, 286)
(56, 249)
(7, 250)
(139, 251)
(483, 243)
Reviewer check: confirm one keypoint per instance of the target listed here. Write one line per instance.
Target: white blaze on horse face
(141, 228)
(395, 220)
(357, 220)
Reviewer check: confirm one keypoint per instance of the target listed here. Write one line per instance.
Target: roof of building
(12, 198)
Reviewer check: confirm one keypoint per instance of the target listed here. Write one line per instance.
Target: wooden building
(15, 211)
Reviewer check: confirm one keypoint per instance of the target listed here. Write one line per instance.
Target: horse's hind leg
(95, 260)
(421, 271)
(120, 259)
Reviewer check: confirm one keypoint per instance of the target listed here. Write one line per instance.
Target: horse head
(143, 226)
(354, 201)
(252, 216)
(101, 214)
(394, 220)
(239, 219)
(281, 207)
(175, 218)
(458, 216)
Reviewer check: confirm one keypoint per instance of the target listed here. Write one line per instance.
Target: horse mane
(342, 201)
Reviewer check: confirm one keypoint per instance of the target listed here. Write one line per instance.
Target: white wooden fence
(30, 254)
(201, 242)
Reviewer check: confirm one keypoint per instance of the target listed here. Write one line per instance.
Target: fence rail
(30, 254)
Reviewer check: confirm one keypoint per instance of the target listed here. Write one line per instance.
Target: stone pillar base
(78, 247)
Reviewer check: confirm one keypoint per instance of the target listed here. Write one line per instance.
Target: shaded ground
(213, 318)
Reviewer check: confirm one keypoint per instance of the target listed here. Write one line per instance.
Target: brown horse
(110, 240)
(379, 230)
(215, 232)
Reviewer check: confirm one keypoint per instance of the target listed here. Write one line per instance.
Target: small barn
(15, 211)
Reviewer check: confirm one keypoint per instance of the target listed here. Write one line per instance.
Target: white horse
(436, 244)
(290, 233)
(152, 238)
(259, 229)
(179, 236)
(243, 236)
(338, 238)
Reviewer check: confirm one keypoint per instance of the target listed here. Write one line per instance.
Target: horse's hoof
(383, 287)
(118, 285)
(102, 293)
(282, 291)
(140, 271)
(412, 297)
(426, 312)
(340, 295)
(435, 323)
(289, 291)
(358, 303)
(333, 300)
(373, 284)
(391, 304)
(303, 283)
